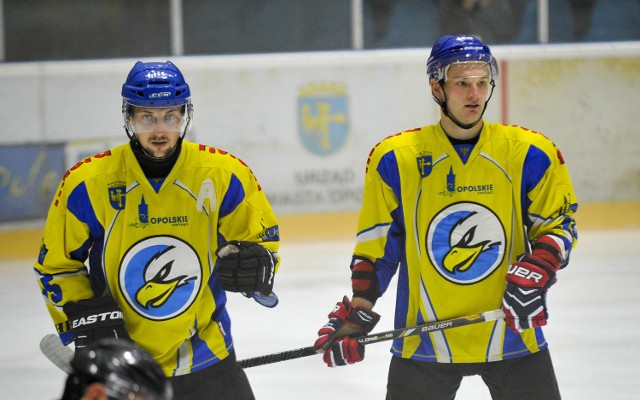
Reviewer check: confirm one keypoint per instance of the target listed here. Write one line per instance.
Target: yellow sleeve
(61, 272)
(245, 212)
(552, 200)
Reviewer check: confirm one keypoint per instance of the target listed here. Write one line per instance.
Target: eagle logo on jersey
(161, 280)
(466, 251)
(465, 243)
(160, 277)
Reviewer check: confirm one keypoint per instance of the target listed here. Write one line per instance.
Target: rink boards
(23, 242)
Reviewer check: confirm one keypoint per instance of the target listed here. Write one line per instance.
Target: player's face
(98, 391)
(467, 88)
(157, 129)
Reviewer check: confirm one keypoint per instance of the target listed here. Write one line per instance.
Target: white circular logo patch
(160, 277)
(465, 242)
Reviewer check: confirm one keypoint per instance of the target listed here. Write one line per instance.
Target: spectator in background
(582, 11)
(493, 21)
(381, 13)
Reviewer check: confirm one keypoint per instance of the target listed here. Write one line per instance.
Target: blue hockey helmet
(458, 49)
(155, 85)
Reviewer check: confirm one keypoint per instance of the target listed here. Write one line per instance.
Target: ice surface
(594, 329)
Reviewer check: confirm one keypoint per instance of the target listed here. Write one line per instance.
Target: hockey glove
(245, 267)
(335, 338)
(94, 319)
(524, 301)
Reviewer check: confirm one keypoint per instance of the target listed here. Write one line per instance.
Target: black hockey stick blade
(380, 337)
(56, 352)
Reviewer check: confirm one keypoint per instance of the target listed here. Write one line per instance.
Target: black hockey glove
(94, 319)
(245, 267)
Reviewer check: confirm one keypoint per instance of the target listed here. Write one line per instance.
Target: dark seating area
(67, 30)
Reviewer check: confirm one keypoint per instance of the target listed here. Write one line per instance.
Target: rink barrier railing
(20, 241)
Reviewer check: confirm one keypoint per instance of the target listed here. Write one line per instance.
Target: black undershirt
(471, 141)
(155, 169)
(463, 147)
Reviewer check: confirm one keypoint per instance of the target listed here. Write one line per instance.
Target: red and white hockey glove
(335, 338)
(525, 299)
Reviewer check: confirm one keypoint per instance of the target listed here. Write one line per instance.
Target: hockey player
(116, 370)
(145, 239)
(472, 216)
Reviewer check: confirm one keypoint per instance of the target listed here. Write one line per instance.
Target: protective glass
(468, 70)
(140, 120)
(439, 71)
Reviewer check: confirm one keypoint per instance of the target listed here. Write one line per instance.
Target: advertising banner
(29, 176)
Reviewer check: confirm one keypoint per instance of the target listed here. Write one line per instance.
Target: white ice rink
(594, 329)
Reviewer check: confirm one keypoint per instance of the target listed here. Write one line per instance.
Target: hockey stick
(56, 352)
(379, 337)
(61, 356)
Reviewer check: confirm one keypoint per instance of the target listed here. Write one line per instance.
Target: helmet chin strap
(445, 109)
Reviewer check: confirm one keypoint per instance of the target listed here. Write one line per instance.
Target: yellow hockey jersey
(109, 231)
(450, 221)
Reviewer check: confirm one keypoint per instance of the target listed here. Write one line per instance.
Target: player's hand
(524, 301)
(335, 338)
(245, 267)
(93, 319)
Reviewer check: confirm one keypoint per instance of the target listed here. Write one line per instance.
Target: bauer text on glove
(524, 300)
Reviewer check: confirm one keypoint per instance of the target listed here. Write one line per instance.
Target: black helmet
(124, 368)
